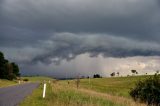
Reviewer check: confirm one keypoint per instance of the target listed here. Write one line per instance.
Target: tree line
(8, 70)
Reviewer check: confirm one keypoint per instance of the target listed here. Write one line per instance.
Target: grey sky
(50, 31)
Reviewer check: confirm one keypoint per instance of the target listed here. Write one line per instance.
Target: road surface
(13, 95)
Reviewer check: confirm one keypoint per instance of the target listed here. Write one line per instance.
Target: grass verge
(35, 99)
(5, 83)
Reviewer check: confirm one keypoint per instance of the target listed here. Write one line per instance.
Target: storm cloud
(50, 31)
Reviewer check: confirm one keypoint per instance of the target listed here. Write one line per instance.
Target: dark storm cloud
(49, 31)
(66, 46)
(131, 18)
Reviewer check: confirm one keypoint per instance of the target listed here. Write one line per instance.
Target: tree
(133, 71)
(15, 69)
(118, 73)
(157, 72)
(8, 70)
(3, 66)
(112, 74)
(147, 91)
(96, 76)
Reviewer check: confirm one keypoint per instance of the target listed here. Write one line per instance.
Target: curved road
(13, 95)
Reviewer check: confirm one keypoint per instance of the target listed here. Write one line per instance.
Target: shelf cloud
(49, 32)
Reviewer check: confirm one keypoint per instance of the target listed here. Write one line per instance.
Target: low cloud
(66, 46)
(85, 65)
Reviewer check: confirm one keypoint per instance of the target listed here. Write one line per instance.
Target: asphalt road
(13, 95)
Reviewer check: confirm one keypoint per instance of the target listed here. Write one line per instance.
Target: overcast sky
(63, 38)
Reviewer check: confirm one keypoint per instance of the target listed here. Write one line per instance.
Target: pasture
(91, 92)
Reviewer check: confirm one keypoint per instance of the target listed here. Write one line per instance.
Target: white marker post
(44, 90)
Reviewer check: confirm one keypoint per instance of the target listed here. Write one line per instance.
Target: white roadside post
(44, 90)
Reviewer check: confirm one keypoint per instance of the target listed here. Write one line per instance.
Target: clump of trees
(8, 70)
(134, 72)
(147, 91)
(113, 74)
(97, 76)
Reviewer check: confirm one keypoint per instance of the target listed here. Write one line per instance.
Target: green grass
(60, 94)
(100, 92)
(66, 95)
(35, 99)
(37, 79)
(119, 86)
(5, 83)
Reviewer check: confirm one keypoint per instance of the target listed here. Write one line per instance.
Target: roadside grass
(5, 83)
(66, 95)
(35, 99)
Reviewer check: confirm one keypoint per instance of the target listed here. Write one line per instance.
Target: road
(13, 95)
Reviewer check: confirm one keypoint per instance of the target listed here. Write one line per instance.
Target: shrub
(11, 76)
(25, 79)
(97, 76)
(147, 91)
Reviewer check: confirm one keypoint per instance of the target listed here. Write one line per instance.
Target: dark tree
(147, 91)
(15, 69)
(118, 73)
(134, 71)
(112, 74)
(8, 70)
(3, 66)
(96, 76)
(157, 72)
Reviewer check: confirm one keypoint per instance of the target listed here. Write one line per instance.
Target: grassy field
(4, 83)
(96, 92)
(119, 86)
(37, 79)
(60, 94)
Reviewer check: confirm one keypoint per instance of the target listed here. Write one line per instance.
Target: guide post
(44, 90)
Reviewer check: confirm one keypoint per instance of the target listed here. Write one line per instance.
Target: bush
(11, 76)
(97, 76)
(147, 91)
(25, 79)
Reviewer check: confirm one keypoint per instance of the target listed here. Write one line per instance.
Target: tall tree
(3, 66)
(8, 70)
(15, 69)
